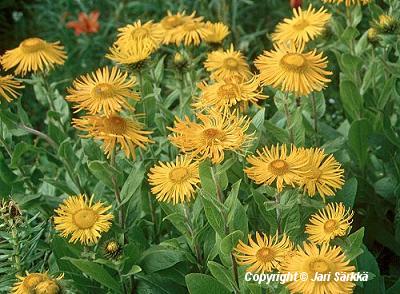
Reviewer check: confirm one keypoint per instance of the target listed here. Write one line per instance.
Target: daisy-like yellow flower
(264, 254)
(217, 132)
(387, 24)
(372, 35)
(175, 182)
(323, 174)
(33, 55)
(304, 26)
(275, 164)
(40, 283)
(192, 32)
(218, 32)
(349, 2)
(290, 69)
(229, 92)
(133, 55)
(227, 64)
(172, 22)
(104, 91)
(8, 87)
(312, 259)
(149, 35)
(113, 130)
(330, 222)
(82, 219)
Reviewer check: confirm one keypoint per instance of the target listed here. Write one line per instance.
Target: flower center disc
(330, 225)
(112, 247)
(172, 22)
(227, 91)
(231, 63)
(103, 91)
(47, 287)
(319, 265)
(213, 134)
(316, 173)
(140, 33)
(190, 26)
(301, 24)
(32, 45)
(85, 218)
(178, 174)
(32, 280)
(265, 254)
(278, 167)
(115, 125)
(293, 62)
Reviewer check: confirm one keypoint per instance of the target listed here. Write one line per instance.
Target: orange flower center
(115, 125)
(330, 225)
(319, 265)
(85, 218)
(265, 254)
(213, 134)
(278, 167)
(32, 280)
(315, 173)
(228, 91)
(103, 91)
(179, 174)
(301, 24)
(293, 62)
(32, 45)
(231, 63)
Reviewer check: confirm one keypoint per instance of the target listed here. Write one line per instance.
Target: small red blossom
(85, 24)
(295, 3)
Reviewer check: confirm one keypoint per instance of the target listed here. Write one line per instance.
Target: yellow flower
(149, 35)
(37, 283)
(229, 92)
(8, 86)
(349, 2)
(227, 64)
(33, 55)
(172, 22)
(330, 222)
(84, 221)
(112, 249)
(324, 174)
(218, 32)
(192, 32)
(312, 259)
(104, 91)
(387, 24)
(291, 70)
(264, 254)
(175, 182)
(275, 164)
(216, 133)
(135, 54)
(372, 35)
(127, 132)
(304, 26)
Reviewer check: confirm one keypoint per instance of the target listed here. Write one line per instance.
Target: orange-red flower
(295, 3)
(85, 24)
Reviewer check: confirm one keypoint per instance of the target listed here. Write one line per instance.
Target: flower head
(372, 35)
(227, 64)
(304, 26)
(134, 55)
(171, 24)
(85, 24)
(387, 24)
(292, 70)
(217, 32)
(348, 2)
(33, 55)
(113, 130)
(312, 259)
(216, 133)
(191, 32)
(264, 254)
(330, 222)
(38, 283)
(175, 182)
(275, 164)
(112, 249)
(324, 174)
(105, 91)
(8, 87)
(82, 219)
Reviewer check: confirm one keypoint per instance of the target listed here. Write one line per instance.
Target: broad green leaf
(213, 212)
(200, 284)
(206, 179)
(351, 98)
(353, 243)
(132, 183)
(221, 273)
(367, 262)
(258, 119)
(358, 140)
(229, 242)
(279, 134)
(348, 193)
(159, 258)
(102, 171)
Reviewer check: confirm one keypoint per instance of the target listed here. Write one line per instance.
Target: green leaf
(97, 273)
(206, 179)
(351, 98)
(348, 193)
(280, 135)
(351, 64)
(298, 128)
(200, 284)
(229, 242)
(358, 140)
(352, 246)
(367, 262)
(386, 93)
(158, 258)
(103, 171)
(258, 119)
(221, 273)
(213, 212)
(132, 183)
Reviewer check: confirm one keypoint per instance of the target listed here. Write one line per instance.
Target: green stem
(288, 117)
(278, 212)
(16, 255)
(153, 213)
(195, 245)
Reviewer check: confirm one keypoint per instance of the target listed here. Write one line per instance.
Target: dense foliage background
(359, 124)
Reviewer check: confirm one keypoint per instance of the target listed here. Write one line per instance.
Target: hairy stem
(16, 255)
